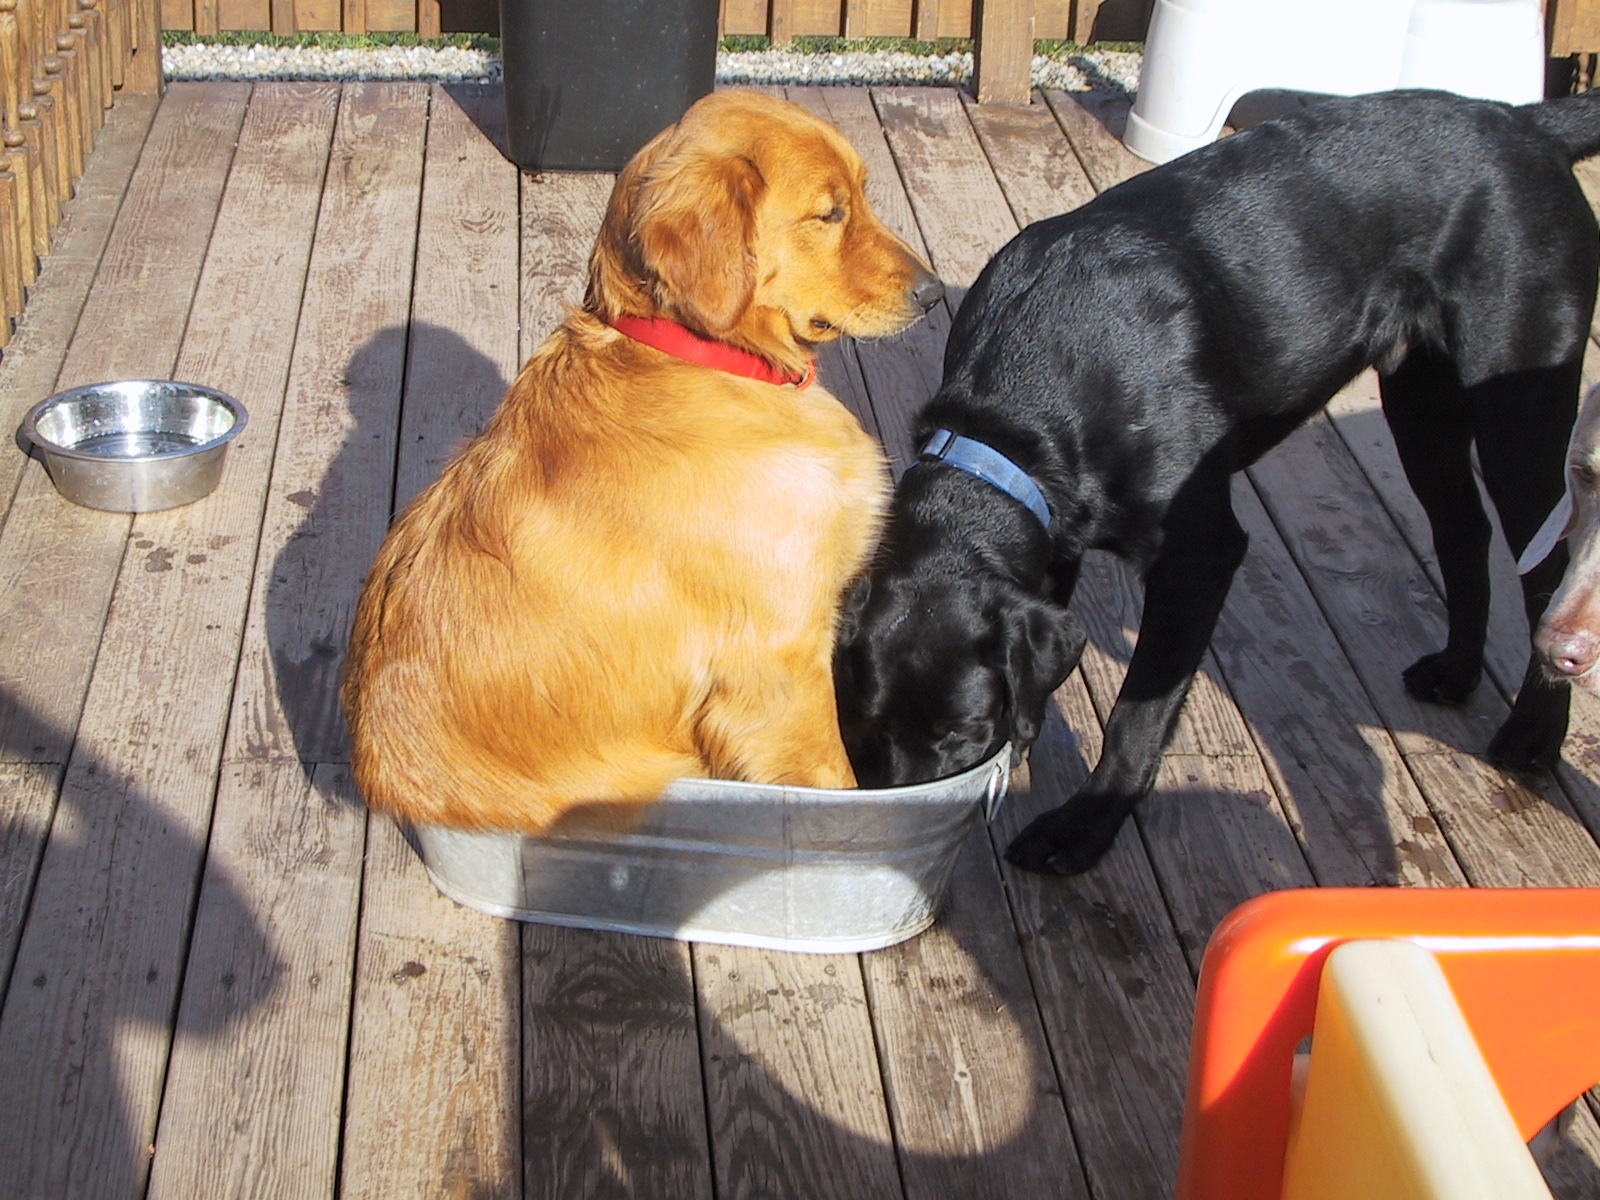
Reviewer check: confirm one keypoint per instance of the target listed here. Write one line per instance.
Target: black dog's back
(1129, 356)
(1383, 201)
(1573, 121)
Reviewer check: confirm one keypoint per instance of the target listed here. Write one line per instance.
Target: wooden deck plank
(898, 373)
(134, 803)
(1373, 591)
(973, 1097)
(443, 1121)
(1341, 777)
(1377, 596)
(882, 381)
(1037, 168)
(28, 373)
(130, 327)
(260, 1041)
(435, 1089)
(27, 803)
(280, 163)
(463, 350)
(1115, 994)
(329, 503)
(1356, 415)
(612, 1100)
(561, 215)
(795, 1104)
(356, 284)
(950, 184)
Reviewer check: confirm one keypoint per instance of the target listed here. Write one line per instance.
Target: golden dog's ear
(694, 226)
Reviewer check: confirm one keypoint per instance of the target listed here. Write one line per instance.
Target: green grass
(835, 45)
(482, 41)
(839, 45)
(329, 41)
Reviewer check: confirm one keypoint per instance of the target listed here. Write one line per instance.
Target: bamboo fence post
(52, 154)
(61, 122)
(98, 40)
(42, 202)
(11, 292)
(77, 122)
(117, 24)
(21, 157)
(83, 45)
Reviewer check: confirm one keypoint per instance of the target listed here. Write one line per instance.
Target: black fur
(1133, 354)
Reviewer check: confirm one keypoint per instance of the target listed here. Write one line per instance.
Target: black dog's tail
(1574, 121)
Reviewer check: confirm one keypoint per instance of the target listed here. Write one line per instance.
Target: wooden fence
(1075, 20)
(61, 63)
(1004, 30)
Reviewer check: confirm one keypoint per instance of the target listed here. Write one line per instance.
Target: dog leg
(1523, 425)
(1184, 593)
(1430, 418)
(778, 723)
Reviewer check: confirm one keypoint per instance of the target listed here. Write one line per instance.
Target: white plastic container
(1201, 56)
(736, 863)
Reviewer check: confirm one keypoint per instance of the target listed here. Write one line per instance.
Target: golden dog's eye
(834, 215)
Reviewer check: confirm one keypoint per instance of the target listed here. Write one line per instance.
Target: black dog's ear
(1043, 642)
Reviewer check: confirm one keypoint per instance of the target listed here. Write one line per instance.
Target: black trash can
(587, 82)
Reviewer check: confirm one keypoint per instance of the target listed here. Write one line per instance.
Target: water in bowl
(136, 443)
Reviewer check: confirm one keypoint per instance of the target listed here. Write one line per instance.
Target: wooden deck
(222, 979)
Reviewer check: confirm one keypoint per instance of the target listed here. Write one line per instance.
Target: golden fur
(634, 572)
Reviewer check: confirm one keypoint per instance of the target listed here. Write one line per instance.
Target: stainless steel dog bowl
(735, 863)
(135, 445)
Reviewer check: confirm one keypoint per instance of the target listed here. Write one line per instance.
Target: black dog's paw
(1526, 747)
(1066, 840)
(1436, 679)
(1530, 740)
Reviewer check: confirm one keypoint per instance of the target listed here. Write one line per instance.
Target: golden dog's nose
(927, 290)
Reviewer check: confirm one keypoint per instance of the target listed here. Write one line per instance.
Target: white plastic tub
(736, 863)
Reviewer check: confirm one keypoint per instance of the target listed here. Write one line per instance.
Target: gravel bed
(1084, 71)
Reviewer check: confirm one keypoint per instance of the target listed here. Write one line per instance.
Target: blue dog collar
(989, 465)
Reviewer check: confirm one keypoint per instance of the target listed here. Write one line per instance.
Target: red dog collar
(681, 342)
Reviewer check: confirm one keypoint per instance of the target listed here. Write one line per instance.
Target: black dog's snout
(928, 290)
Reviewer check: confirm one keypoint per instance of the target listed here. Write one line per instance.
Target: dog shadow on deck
(316, 578)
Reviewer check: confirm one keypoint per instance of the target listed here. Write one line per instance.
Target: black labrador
(1113, 367)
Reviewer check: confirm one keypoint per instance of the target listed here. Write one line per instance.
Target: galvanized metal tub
(736, 863)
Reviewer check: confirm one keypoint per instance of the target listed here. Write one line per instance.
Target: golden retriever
(634, 573)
